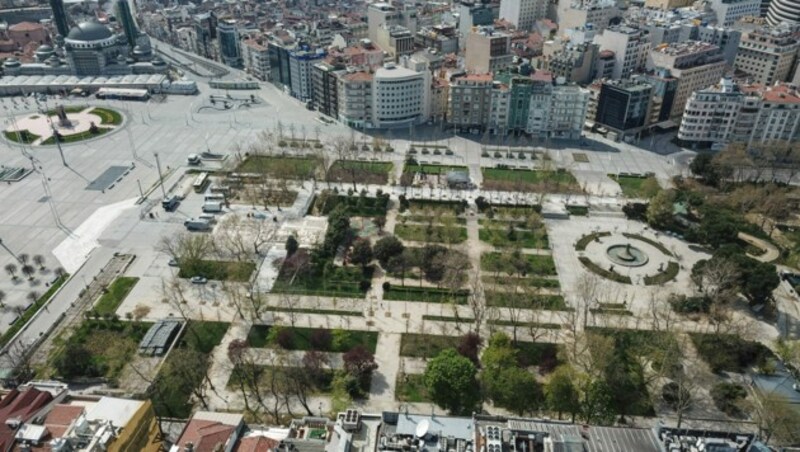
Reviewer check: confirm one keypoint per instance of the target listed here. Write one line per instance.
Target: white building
(557, 111)
(398, 96)
(523, 13)
(255, 57)
(630, 46)
(577, 14)
(730, 113)
(379, 14)
(730, 11)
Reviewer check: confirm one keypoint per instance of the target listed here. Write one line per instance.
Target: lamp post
(160, 177)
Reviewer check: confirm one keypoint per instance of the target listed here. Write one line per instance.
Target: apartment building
(696, 65)
(730, 11)
(301, 63)
(767, 54)
(576, 63)
(523, 14)
(624, 106)
(470, 102)
(325, 94)
(379, 14)
(488, 50)
(630, 46)
(255, 58)
(354, 91)
(598, 13)
(730, 112)
(395, 40)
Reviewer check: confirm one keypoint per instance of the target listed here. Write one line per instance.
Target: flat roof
(444, 426)
(118, 411)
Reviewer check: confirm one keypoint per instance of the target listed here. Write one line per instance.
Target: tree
(777, 420)
(33, 296)
(451, 384)
(38, 259)
(291, 245)
(596, 403)
(23, 258)
(561, 392)
(469, 346)
(379, 222)
(360, 363)
(11, 269)
(186, 368)
(760, 280)
(76, 361)
(387, 248)
(361, 253)
(28, 270)
(320, 339)
(659, 212)
(503, 381)
(703, 167)
(2, 299)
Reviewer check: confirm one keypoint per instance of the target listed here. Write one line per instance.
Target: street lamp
(160, 177)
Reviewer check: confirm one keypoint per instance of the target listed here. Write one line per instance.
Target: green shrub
(727, 397)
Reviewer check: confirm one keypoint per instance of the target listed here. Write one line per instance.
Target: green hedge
(594, 268)
(664, 277)
(584, 241)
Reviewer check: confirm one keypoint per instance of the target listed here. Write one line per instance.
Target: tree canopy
(450, 380)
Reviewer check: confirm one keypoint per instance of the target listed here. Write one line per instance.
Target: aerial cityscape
(400, 226)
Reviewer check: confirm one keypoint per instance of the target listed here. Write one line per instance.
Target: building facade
(630, 46)
(624, 106)
(229, 46)
(398, 97)
(767, 54)
(488, 51)
(523, 13)
(470, 102)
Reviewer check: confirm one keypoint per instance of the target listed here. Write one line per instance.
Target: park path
(771, 253)
(382, 387)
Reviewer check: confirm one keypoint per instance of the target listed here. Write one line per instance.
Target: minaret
(60, 17)
(122, 10)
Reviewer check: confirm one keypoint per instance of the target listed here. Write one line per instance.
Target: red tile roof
(26, 26)
(256, 444)
(19, 405)
(205, 436)
(60, 418)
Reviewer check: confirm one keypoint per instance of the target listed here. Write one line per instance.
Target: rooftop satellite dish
(422, 428)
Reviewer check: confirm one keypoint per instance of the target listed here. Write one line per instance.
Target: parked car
(173, 263)
(199, 280)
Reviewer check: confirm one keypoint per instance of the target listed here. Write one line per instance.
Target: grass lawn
(526, 301)
(509, 281)
(72, 109)
(170, 397)
(664, 277)
(357, 206)
(517, 238)
(283, 167)
(23, 319)
(425, 345)
(77, 136)
(266, 336)
(728, 353)
(426, 294)
(411, 388)
(529, 180)
(107, 116)
(432, 207)
(24, 136)
(430, 233)
(340, 282)
(117, 291)
(536, 264)
(436, 219)
(111, 344)
(637, 187)
(578, 210)
(584, 241)
(238, 271)
(315, 311)
(362, 172)
(265, 374)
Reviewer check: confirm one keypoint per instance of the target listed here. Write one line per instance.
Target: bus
(201, 182)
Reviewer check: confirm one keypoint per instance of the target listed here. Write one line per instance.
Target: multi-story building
(667, 4)
(442, 38)
(513, 101)
(398, 97)
(523, 14)
(301, 63)
(598, 13)
(783, 11)
(470, 102)
(440, 92)
(205, 31)
(727, 39)
(255, 58)
(396, 40)
(325, 97)
(630, 46)
(664, 88)
(730, 11)
(229, 46)
(576, 63)
(488, 51)
(472, 14)
(500, 109)
(767, 54)
(604, 67)
(556, 111)
(278, 53)
(729, 113)
(696, 65)
(379, 14)
(624, 106)
(354, 93)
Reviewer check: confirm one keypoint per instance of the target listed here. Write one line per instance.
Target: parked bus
(201, 182)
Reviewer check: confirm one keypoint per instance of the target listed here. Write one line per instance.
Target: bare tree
(11, 269)
(38, 259)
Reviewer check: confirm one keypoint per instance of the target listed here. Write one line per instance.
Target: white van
(215, 197)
